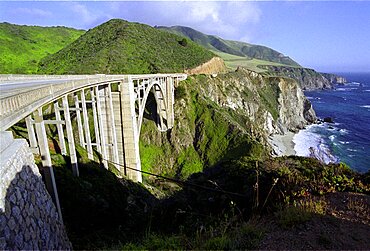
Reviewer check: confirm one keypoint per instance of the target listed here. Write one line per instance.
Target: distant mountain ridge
(258, 58)
(236, 48)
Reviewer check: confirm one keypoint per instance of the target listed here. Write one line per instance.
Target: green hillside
(118, 46)
(23, 46)
(241, 49)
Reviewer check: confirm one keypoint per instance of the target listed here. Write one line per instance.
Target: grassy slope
(236, 48)
(118, 46)
(233, 61)
(23, 46)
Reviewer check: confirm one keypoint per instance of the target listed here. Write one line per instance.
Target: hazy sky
(327, 36)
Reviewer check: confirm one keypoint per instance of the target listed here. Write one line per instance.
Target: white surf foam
(309, 144)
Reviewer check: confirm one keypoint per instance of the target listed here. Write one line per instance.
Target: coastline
(283, 145)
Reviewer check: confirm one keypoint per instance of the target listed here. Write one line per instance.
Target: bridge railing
(15, 107)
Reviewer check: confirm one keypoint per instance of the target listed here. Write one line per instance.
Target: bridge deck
(22, 94)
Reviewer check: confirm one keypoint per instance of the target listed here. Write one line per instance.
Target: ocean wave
(343, 131)
(365, 106)
(341, 89)
(310, 144)
(353, 83)
(344, 142)
(332, 137)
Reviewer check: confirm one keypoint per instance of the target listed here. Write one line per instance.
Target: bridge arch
(157, 88)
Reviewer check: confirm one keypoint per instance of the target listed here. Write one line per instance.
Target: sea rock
(328, 120)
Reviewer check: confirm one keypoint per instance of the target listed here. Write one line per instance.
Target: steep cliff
(214, 66)
(308, 79)
(223, 117)
(335, 79)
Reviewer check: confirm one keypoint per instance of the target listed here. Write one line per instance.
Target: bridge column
(112, 122)
(86, 126)
(79, 121)
(95, 119)
(170, 102)
(99, 95)
(71, 141)
(31, 134)
(46, 159)
(62, 142)
(130, 130)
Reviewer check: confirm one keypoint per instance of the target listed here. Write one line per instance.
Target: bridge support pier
(71, 141)
(62, 142)
(46, 159)
(86, 126)
(130, 132)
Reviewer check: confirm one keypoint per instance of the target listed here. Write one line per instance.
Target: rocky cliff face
(308, 79)
(224, 117)
(334, 79)
(214, 66)
(272, 104)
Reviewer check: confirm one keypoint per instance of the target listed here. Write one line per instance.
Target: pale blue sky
(327, 36)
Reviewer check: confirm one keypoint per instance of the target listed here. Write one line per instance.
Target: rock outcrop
(308, 79)
(334, 79)
(214, 66)
(272, 104)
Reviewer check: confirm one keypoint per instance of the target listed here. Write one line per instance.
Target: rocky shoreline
(282, 145)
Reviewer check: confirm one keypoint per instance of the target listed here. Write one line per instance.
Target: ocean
(348, 138)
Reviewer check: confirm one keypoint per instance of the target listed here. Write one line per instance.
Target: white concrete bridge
(115, 103)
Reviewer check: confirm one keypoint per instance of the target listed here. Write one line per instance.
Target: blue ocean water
(348, 139)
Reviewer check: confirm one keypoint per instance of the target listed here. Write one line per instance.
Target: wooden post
(86, 126)
(46, 160)
(62, 143)
(71, 142)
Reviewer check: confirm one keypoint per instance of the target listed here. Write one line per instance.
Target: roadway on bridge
(9, 89)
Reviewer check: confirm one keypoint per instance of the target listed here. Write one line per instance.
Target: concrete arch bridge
(116, 103)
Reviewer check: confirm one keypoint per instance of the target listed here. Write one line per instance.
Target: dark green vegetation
(236, 48)
(22, 46)
(219, 208)
(118, 46)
